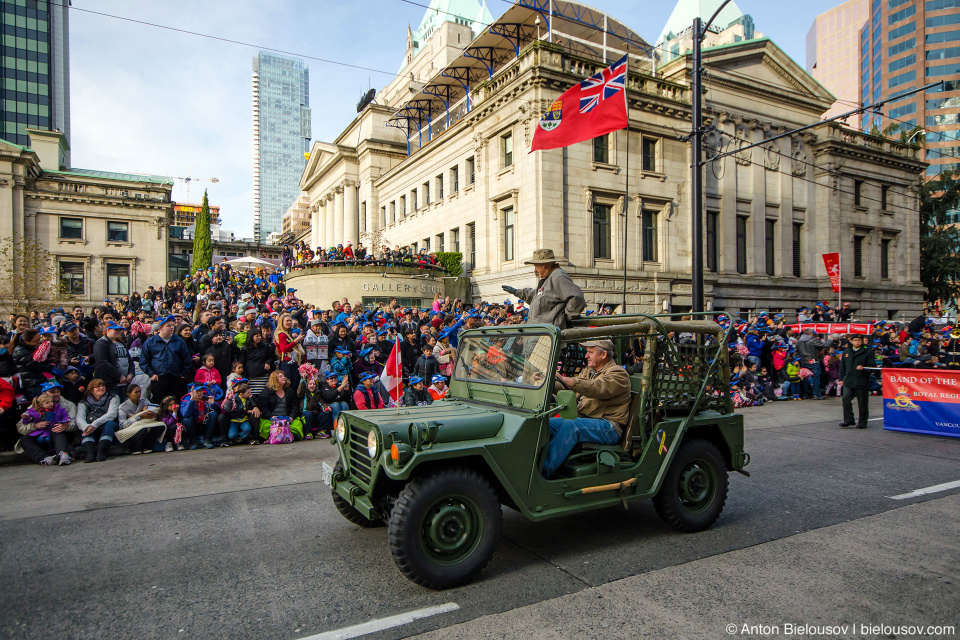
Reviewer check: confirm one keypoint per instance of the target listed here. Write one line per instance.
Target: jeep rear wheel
(445, 527)
(347, 510)
(695, 487)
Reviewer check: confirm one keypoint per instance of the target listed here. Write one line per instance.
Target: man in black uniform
(855, 381)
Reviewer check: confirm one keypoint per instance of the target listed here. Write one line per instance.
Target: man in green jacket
(855, 381)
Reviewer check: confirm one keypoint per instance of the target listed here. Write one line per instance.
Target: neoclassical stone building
(441, 162)
(106, 232)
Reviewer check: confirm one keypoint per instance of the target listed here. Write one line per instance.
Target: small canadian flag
(392, 376)
(832, 262)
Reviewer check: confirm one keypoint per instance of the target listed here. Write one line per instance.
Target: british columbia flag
(603, 85)
(590, 108)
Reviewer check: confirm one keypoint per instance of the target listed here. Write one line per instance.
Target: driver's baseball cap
(603, 344)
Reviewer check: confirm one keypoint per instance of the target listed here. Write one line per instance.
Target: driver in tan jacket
(603, 405)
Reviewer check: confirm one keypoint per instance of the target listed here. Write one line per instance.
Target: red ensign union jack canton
(592, 107)
(604, 85)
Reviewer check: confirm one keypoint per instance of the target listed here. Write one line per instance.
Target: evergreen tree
(940, 239)
(202, 249)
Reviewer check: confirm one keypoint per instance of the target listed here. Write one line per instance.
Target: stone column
(321, 227)
(337, 216)
(330, 238)
(351, 213)
(314, 225)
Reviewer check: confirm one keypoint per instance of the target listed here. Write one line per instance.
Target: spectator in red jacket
(8, 417)
(367, 396)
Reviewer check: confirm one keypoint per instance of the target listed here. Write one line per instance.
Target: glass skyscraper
(35, 67)
(907, 44)
(281, 137)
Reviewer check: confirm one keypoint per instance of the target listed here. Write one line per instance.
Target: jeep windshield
(505, 359)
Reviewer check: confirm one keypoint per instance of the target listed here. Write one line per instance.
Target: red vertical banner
(832, 262)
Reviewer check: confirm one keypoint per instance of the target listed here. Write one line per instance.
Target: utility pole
(696, 139)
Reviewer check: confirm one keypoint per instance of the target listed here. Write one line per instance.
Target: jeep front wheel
(445, 527)
(695, 487)
(347, 510)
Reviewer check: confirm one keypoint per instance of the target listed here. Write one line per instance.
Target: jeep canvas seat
(584, 460)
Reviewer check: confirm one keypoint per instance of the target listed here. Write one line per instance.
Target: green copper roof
(110, 175)
(686, 10)
(470, 13)
(18, 146)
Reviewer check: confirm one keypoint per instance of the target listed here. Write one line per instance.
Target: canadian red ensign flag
(832, 262)
(392, 376)
(588, 109)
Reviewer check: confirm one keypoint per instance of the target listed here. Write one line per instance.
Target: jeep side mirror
(568, 404)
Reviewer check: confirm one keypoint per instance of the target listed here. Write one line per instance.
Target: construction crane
(188, 179)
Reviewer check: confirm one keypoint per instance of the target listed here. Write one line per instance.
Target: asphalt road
(245, 542)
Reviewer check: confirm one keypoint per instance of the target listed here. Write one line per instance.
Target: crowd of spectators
(221, 358)
(301, 256)
(226, 357)
(773, 359)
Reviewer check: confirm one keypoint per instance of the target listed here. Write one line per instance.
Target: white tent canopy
(249, 262)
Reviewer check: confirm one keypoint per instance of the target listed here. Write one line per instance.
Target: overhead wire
(848, 102)
(838, 189)
(222, 39)
(810, 164)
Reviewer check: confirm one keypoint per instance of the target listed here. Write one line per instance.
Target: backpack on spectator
(280, 431)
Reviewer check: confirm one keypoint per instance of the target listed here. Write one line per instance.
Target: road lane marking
(927, 490)
(383, 623)
(874, 419)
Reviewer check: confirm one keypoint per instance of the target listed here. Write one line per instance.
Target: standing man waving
(556, 299)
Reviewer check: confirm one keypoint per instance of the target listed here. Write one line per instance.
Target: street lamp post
(696, 139)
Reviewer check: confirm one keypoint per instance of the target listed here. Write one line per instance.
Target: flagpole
(839, 281)
(626, 196)
(399, 374)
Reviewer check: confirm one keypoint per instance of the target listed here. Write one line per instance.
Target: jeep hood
(457, 420)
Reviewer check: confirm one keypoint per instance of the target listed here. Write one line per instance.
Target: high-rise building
(36, 70)
(904, 45)
(676, 38)
(833, 53)
(281, 137)
(185, 214)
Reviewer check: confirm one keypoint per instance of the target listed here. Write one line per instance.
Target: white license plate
(326, 474)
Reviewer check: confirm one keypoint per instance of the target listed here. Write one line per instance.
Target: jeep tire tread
(694, 490)
(346, 509)
(445, 527)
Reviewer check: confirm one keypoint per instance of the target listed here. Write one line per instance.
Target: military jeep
(438, 475)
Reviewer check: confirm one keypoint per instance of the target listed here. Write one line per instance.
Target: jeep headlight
(372, 444)
(341, 430)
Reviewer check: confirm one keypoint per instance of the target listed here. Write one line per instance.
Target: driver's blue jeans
(565, 434)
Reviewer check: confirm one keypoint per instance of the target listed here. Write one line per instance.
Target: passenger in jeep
(603, 405)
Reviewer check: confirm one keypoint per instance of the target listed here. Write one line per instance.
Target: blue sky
(156, 101)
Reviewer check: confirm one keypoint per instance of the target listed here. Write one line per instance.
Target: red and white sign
(860, 328)
(832, 262)
(392, 376)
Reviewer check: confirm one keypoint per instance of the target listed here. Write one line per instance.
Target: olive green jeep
(437, 475)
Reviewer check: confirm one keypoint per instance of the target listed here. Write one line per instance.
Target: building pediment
(321, 153)
(761, 68)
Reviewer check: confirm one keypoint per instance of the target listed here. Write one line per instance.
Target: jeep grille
(360, 463)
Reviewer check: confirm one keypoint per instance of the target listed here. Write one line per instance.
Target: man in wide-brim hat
(556, 299)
